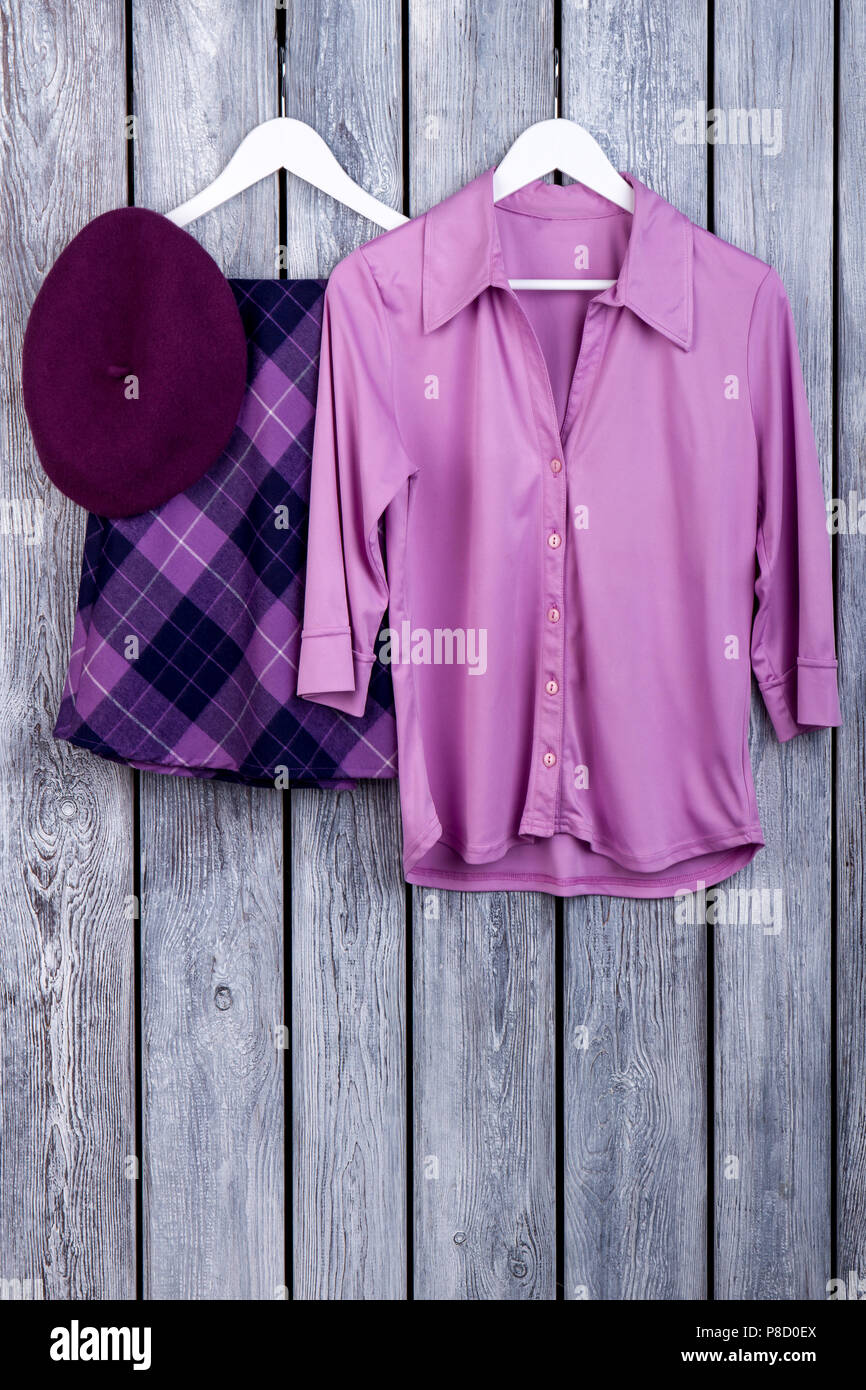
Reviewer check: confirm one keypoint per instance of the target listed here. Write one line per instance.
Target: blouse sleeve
(793, 648)
(359, 465)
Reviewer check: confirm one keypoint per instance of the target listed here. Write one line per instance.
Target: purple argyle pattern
(185, 648)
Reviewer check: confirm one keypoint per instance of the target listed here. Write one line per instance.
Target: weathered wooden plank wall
(635, 978)
(211, 855)
(674, 1138)
(348, 897)
(67, 1132)
(483, 963)
(772, 987)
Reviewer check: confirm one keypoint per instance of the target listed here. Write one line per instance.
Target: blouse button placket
(549, 720)
(542, 808)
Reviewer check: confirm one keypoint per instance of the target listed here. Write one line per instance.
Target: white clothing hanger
(284, 143)
(566, 146)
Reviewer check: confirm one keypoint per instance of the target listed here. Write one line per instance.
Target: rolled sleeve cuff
(331, 673)
(805, 698)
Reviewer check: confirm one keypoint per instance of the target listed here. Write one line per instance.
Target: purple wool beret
(134, 364)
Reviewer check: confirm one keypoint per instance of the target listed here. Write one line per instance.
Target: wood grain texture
(356, 105)
(67, 1137)
(772, 988)
(635, 979)
(213, 1044)
(851, 606)
(635, 1104)
(628, 66)
(349, 1042)
(483, 1019)
(484, 1076)
(635, 1083)
(212, 892)
(480, 71)
(348, 897)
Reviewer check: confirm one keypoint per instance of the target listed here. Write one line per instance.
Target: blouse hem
(660, 859)
(499, 880)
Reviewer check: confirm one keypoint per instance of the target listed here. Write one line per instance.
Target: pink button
(556, 465)
(554, 540)
(552, 687)
(553, 615)
(549, 759)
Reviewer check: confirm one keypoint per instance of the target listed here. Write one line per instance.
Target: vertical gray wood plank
(343, 77)
(635, 1107)
(484, 991)
(773, 988)
(851, 607)
(348, 897)
(349, 1041)
(484, 1076)
(212, 1011)
(212, 933)
(634, 1033)
(67, 1108)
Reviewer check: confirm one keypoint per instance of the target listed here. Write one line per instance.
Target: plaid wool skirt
(187, 631)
